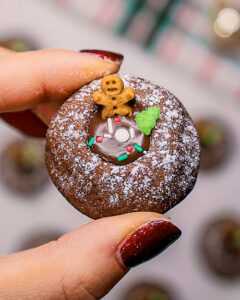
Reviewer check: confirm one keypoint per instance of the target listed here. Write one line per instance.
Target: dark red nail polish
(148, 241)
(26, 122)
(115, 57)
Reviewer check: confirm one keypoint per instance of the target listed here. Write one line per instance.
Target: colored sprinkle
(129, 148)
(90, 143)
(106, 135)
(99, 139)
(122, 157)
(117, 119)
(132, 133)
(138, 148)
(110, 126)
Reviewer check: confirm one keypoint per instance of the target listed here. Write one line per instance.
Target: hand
(88, 262)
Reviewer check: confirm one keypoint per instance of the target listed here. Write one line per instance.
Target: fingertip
(113, 57)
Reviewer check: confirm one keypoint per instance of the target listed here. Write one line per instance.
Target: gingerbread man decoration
(114, 97)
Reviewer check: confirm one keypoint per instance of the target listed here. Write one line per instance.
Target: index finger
(29, 78)
(46, 75)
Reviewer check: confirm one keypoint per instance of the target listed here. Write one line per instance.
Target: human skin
(88, 262)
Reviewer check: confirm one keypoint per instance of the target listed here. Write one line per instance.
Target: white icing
(110, 125)
(107, 135)
(132, 132)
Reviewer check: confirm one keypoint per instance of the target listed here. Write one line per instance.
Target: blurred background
(192, 48)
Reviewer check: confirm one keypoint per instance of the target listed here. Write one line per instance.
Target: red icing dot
(99, 139)
(129, 148)
(117, 119)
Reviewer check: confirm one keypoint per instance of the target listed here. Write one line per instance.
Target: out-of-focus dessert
(18, 44)
(148, 291)
(220, 246)
(39, 239)
(22, 166)
(214, 141)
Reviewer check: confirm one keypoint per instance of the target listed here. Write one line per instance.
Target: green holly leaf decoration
(146, 120)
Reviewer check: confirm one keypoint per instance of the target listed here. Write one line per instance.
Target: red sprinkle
(117, 119)
(129, 148)
(99, 139)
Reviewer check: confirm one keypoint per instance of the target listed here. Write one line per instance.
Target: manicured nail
(148, 241)
(115, 57)
(27, 122)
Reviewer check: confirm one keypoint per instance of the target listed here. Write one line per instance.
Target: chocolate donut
(22, 167)
(94, 183)
(147, 290)
(215, 142)
(220, 246)
(18, 44)
(39, 238)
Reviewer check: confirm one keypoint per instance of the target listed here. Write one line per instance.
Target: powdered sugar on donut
(158, 180)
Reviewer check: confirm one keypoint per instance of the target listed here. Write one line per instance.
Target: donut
(215, 142)
(18, 44)
(22, 167)
(220, 245)
(151, 164)
(39, 238)
(147, 290)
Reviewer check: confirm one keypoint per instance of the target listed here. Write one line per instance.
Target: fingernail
(112, 56)
(26, 122)
(148, 241)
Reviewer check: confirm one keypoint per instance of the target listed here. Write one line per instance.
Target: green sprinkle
(90, 143)
(122, 157)
(138, 148)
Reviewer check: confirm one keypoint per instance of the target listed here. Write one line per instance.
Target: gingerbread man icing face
(114, 97)
(112, 85)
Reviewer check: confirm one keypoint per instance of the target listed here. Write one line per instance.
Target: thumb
(88, 262)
